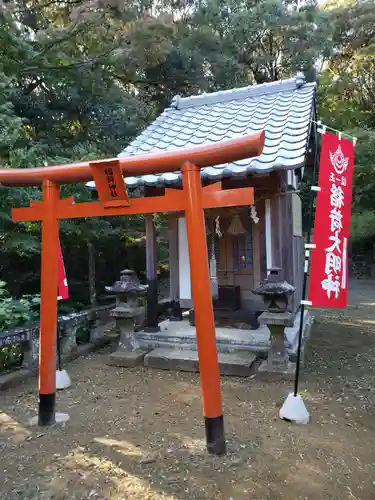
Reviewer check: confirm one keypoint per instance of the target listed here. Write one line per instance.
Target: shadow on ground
(138, 434)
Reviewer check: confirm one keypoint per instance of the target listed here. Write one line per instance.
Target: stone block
(271, 318)
(269, 374)
(293, 356)
(237, 364)
(126, 359)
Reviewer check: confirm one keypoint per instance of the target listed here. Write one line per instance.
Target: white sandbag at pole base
(62, 380)
(294, 410)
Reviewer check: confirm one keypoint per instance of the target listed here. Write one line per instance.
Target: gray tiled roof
(283, 109)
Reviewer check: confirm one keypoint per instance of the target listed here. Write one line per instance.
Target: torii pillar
(204, 315)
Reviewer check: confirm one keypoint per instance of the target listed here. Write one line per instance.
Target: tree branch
(32, 86)
(48, 4)
(55, 42)
(94, 60)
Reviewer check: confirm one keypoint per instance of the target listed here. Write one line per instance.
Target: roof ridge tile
(238, 93)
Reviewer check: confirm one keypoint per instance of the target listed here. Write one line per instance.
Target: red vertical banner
(63, 291)
(328, 285)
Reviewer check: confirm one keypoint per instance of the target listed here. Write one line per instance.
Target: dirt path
(138, 434)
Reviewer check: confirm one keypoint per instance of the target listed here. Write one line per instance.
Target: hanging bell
(235, 228)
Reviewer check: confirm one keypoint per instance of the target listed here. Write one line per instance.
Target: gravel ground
(138, 434)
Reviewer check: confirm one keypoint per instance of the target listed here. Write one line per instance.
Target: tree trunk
(152, 280)
(92, 276)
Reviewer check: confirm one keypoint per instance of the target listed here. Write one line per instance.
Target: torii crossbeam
(113, 200)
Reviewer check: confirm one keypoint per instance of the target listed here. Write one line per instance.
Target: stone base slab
(180, 335)
(239, 364)
(60, 418)
(265, 372)
(126, 359)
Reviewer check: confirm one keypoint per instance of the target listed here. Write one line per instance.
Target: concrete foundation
(268, 374)
(240, 351)
(60, 418)
(180, 335)
(238, 364)
(126, 359)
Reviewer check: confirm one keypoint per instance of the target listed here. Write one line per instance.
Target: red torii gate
(113, 200)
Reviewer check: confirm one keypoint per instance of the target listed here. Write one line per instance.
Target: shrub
(14, 313)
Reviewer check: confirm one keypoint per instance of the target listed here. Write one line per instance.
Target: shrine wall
(80, 333)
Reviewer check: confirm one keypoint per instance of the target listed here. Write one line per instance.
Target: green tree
(270, 39)
(80, 78)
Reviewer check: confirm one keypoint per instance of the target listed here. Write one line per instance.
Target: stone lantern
(128, 311)
(276, 293)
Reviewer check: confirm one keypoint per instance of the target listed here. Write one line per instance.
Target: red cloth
(63, 291)
(328, 286)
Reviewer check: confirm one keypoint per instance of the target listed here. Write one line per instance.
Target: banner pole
(294, 409)
(59, 351)
(300, 332)
(306, 268)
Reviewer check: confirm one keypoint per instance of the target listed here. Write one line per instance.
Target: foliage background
(80, 78)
